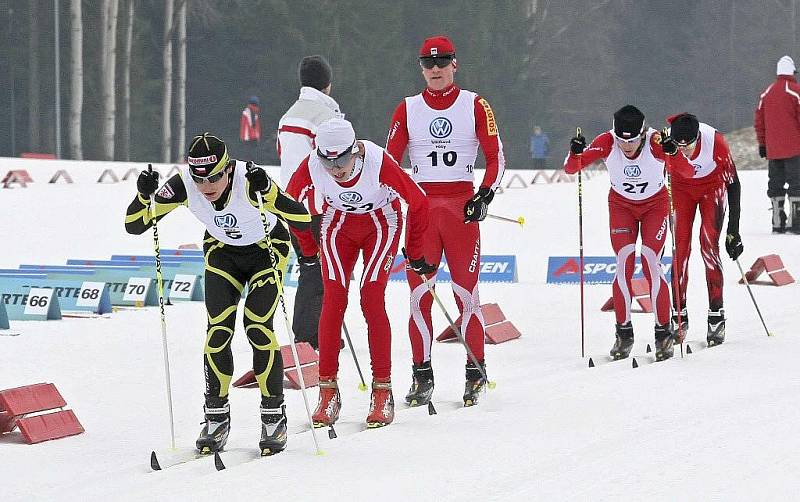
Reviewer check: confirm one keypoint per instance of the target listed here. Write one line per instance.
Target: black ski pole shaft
(165, 347)
(676, 288)
(747, 283)
(455, 328)
(580, 249)
(362, 386)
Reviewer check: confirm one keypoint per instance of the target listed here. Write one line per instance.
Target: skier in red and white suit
(358, 186)
(713, 185)
(443, 128)
(637, 203)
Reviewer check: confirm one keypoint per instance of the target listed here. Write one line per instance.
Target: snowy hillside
(720, 424)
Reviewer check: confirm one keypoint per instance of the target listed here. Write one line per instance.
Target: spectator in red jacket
(250, 129)
(777, 123)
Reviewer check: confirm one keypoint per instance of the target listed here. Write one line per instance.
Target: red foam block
(31, 398)
(310, 376)
(501, 332)
(54, 425)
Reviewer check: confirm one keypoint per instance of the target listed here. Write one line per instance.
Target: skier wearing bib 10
(358, 186)
(228, 196)
(638, 203)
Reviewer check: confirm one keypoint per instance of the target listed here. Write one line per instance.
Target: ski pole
(274, 266)
(580, 246)
(160, 283)
(520, 220)
(676, 288)
(455, 329)
(362, 386)
(747, 283)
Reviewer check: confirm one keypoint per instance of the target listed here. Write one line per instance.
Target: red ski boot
(329, 404)
(381, 406)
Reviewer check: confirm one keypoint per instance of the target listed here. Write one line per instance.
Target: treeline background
(556, 64)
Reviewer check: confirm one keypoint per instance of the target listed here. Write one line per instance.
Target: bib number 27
(637, 188)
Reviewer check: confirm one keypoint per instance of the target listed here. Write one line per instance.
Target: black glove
(477, 207)
(668, 143)
(762, 151)
(308, 261)
(733, 245)
(259, 181)
(421, 267)
(147, 182)
(577, 144)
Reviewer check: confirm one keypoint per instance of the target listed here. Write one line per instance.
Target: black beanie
(684, 128)
(628, 122)
(315, 72)
(208, 155)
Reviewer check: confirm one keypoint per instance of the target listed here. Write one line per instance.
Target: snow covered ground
(717, 425)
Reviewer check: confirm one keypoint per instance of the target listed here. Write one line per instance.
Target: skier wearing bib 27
(714, 185)
(358, 186)
(635, 156)
(442, 128)
(230, 197)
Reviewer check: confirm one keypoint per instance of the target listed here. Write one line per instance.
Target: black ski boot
(793, 216)
(273, 430)
(217, 427)
(716, 327)
(778, 216)
(664, 342)
(680, 329)
(422, 386)
(475, 383)
(624, 343)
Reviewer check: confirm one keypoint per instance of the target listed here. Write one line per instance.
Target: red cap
(437, 46)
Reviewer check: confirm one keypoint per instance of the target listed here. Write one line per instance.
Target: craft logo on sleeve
(491, 125)
(440, 127)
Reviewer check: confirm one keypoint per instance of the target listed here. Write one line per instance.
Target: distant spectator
(250, 129)
(777, 124)
(540, 148)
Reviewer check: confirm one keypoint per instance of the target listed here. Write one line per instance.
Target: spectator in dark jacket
(777, 124)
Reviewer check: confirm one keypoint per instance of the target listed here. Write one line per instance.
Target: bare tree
(76, 82)
(34, 83)
(180, 98)
(125, 136)
(166, 83)
(108, 60)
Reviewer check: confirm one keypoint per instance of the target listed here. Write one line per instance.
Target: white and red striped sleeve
(300, 185)
(393, 176)
(397, 139)
(489, 139)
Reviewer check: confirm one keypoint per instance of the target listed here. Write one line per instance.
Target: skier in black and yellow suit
(229, 196)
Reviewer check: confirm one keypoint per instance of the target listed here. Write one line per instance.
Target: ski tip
(362, 387)
(688, 349)
(635, 364)
(218, 463)
(154, 461)
(431, 409)
(492, 385)
(648, 350)
(591, 363)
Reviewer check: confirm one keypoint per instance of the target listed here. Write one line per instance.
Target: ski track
(719, 424)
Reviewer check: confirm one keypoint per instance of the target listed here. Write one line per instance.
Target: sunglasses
(337, 162)
(429, 62)
(629, 140)
(209, 179)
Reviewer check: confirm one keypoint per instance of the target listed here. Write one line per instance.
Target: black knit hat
(315, 72)
(684, 128)
(208, 155)
(628, 122)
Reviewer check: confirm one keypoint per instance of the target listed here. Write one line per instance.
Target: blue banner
(596, 269)
(493, 268)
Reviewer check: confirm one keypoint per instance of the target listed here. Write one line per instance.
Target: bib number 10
(448, 158)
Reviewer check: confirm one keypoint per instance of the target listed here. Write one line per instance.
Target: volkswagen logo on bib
(633, 171)
(441, 127)
(350, 197)
(225, 221)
